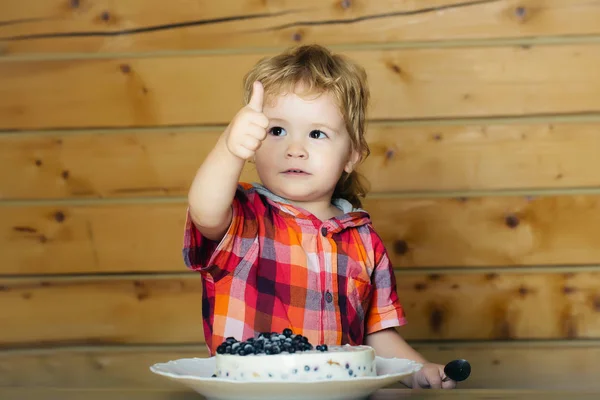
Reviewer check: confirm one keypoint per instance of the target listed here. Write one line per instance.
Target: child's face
(307, 147)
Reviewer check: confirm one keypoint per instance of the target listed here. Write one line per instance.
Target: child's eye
(316, 134)
(277, 131)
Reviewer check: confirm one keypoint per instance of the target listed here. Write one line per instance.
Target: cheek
(263, 158)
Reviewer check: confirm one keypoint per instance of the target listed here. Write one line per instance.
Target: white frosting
(338, 362)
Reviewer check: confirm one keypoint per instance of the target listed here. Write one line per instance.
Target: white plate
(196, 373)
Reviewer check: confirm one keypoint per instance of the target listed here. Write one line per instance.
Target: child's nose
(296, 150)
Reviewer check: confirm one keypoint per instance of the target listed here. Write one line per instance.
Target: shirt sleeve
(385, 310)
(219, 259)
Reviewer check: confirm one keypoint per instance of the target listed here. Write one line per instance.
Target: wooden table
(383, 394)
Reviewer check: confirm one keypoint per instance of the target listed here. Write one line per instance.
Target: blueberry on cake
(286, 356)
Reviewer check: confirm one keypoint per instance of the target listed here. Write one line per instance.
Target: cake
(285, 356)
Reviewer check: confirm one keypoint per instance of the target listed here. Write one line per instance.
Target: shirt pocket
(359, 288)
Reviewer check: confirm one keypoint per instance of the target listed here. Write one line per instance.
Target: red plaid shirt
(278, 266)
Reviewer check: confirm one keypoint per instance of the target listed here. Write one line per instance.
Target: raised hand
(248, 128)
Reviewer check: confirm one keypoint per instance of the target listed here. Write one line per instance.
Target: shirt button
(328, 297)
(324, 231)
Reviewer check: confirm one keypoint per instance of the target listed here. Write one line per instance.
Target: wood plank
(406, 84)
(557, 365)
(147, 237)
(403, 159)
(127, 310)
(490, 231)
(92, 239)
(91, 165)
(146, 25)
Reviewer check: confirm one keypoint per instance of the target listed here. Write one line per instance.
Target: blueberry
(250, 340)
(248, 347)
(306, 368)
(347, 365)
(350, 372)
(291, 350)
(231, 339)
(214, 376)
(221, 349)
(276, 349)
(235, 346)
(323, 347)
(287, 332)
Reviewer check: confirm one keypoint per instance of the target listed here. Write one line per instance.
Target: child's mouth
(295, 172)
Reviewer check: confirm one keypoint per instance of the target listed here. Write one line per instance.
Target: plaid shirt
(279, 267)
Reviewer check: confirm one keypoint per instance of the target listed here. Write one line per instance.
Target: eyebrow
(319, 124)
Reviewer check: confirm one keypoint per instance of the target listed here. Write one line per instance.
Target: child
(296, 251)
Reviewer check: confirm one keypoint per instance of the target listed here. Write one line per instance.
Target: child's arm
(213, 188)
(389, 344)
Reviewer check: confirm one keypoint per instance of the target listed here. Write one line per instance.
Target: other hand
(431, 376)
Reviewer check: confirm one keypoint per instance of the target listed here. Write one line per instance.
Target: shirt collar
(352, 216)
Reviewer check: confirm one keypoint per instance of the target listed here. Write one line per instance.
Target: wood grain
(96, 239)
(147, 237)
(203, 89)
(101, 26)
(403, 159)
(496, 365)
(127, 310)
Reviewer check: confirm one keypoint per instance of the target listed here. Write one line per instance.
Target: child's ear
(352, 161)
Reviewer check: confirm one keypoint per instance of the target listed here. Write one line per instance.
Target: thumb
(256, 100)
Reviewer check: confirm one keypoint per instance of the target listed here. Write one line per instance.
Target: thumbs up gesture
(248, 128)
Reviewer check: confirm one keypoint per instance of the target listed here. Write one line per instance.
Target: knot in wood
(400, 247)
(521, 12)
(59, 216)
(512, 221)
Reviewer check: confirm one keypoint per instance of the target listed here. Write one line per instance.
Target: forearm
(389, 344)
(212, 190)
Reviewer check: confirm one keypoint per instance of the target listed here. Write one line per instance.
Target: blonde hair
(318, 70)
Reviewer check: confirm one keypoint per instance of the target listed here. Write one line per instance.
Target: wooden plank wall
(484, 130)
